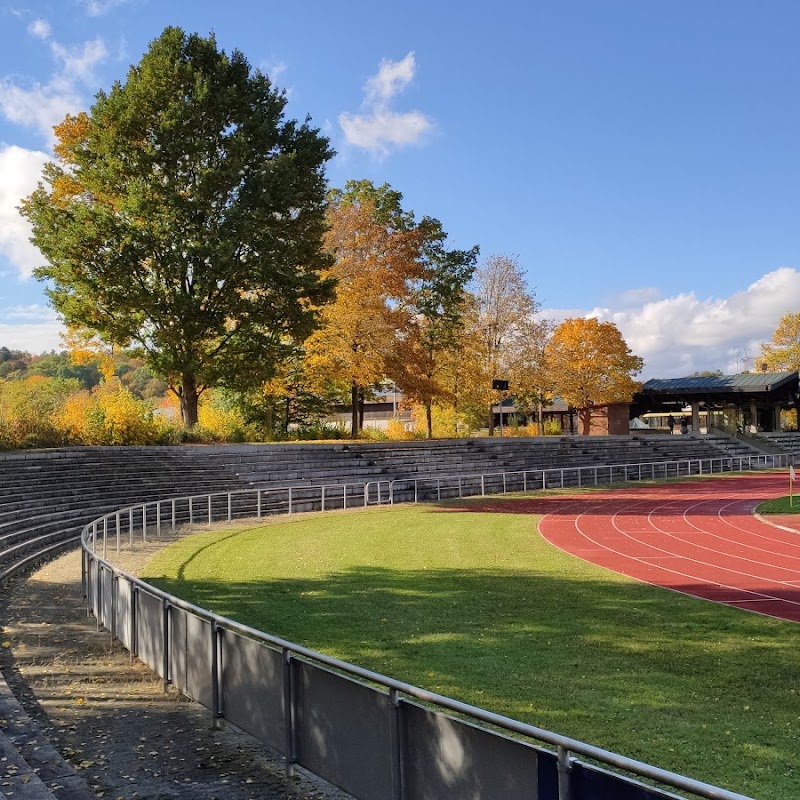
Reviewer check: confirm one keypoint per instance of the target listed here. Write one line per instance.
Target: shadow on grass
(556, 652)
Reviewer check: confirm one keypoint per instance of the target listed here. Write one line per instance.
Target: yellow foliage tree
(85, 348)
(783, 351)
(376, 259)
(28, 408)
(72, 418)
(116, 417)
(589, 364)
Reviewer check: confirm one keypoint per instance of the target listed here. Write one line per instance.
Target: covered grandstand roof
(716, 390)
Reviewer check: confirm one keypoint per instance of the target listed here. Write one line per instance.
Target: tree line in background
(186, 224)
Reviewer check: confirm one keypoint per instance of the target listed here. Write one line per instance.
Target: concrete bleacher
(787, 441)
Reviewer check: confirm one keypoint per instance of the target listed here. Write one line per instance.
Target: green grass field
(781, 505)
(477, 606)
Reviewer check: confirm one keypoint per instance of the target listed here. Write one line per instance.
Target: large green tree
(184, 215)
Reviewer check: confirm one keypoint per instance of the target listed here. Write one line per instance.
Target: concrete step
(31, 768)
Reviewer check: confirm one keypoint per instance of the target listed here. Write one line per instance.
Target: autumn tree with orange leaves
(375, 250)
(399, 292)
(590, 363)
(782, 352)
(436, 329)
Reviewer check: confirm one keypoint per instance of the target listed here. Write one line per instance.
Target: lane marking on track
(707, 518)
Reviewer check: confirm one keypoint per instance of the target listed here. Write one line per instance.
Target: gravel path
(109, 717)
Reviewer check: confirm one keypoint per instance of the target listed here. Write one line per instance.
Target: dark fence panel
(149, 630)
(190, 655)
(106, 592)
(592, 783)
(177, 649)
(444, 758)
(344, 732)
(198, 660)
(252, 689)
(123, 591)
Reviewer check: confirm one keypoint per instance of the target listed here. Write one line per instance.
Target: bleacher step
(32, 769)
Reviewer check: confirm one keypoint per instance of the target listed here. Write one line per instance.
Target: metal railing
(332, 717)
(443, 487)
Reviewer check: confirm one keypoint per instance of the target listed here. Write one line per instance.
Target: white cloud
(392, 78)
(34, 312)
(97, 8)
(40, 28)
(41, 106)
(35, 337)
(78, 63)
(21, 170)
(683, 334)
(380, 129)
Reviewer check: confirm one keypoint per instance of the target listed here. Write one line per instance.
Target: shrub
(397, 431)
(116, 417)
(448, 423)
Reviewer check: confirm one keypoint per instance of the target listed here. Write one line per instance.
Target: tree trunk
(189, 398)
(286, 414)
(491, 419)
(428, 421)
(585, 415)
(360, 411)
(540, 413)
(354, 411)
(269, 416)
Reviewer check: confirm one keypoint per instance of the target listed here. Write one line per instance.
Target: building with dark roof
(752, 400)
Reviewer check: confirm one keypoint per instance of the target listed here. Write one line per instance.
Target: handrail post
(133, 632)
(210, 518)
(322, 498)
(216, 694)
(158, 518)
(396, 739)
(165, 614)
(289, 711)
(230, 507)
(173, 516)
(258, 503)
(98, 589)
(290, 500)
(130, 527)
(118, 531)
(113, 625)
(144, 523)
(105, 534)
(564, 770)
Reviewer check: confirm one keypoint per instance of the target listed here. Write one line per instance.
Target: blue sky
(639, 157)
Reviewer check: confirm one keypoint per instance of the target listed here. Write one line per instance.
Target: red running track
(699, 538)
